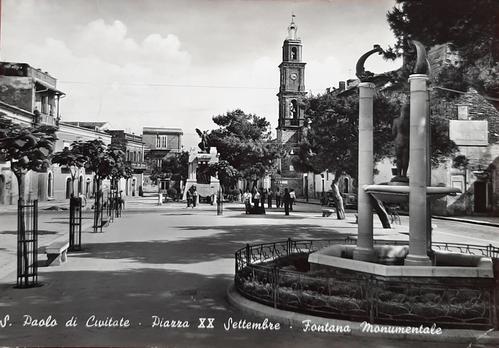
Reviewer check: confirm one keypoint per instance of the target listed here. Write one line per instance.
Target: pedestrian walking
(269, 198)
(277, 198)
(264, 196)
(256, 199)
(247, 201)
(287, 201)
(189, 198)
(194, 196)
(292, 196)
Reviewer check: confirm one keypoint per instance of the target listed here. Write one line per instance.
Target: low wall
(279, 275)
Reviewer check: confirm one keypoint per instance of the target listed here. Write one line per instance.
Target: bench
(327, 212)
(57, 252)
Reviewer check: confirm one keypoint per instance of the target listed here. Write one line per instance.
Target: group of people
(258, 197)
(192, 197)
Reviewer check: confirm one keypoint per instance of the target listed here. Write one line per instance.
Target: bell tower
(291, 111)
(291, 88)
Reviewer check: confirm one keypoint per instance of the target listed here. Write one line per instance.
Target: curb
(450, 218)
(469, 221)
(293, 319)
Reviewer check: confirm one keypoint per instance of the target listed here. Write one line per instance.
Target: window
(294, 53)
(462, 112)
(291, 168)
(162, 141)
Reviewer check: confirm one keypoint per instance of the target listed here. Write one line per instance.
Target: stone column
(364, 250)
(418, 173)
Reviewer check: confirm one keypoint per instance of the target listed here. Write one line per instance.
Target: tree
(27, 148)
(226, 173)
(470, 27)
(174, 166)
(332, 140)
(72, 158)
(119, 167)
(244, 141)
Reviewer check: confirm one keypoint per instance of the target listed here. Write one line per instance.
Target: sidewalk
(472, 219)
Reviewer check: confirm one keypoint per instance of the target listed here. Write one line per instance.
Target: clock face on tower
(293, 76)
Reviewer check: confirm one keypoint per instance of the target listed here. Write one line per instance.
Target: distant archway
(68, 187)
(80, 185)
(2, 189)
(87, 188)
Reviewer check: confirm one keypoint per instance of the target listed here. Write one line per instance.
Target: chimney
(342, 86)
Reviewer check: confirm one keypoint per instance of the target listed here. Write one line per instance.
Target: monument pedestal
(417, 260)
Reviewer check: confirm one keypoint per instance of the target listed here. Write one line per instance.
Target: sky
(169, 63)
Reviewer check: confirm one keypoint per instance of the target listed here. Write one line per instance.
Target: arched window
(87, 188)
(80, 185)
(68, 188)
(293, 112)
(2, 189)
(345, 185)
(294, 53)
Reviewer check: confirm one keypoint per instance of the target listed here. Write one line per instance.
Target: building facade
(30, 97)
(159, 143)
(133, 148)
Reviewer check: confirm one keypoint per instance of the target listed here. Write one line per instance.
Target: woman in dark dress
(286, 198)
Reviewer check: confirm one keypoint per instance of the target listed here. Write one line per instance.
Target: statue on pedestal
(400, 130)
(203, 145)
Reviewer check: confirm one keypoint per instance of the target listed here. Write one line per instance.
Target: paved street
(176, 264)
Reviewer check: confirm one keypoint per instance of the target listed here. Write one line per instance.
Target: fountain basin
(446, 264)
(398, 194)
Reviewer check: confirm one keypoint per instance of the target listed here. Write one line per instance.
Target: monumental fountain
(198, 174)
(364, 279)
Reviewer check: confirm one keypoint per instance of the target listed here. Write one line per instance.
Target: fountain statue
(400, 131)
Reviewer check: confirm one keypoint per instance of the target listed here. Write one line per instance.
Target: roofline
(162, 130)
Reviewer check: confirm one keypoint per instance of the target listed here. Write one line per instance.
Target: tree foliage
(27, 148)
(226, 173)
(332, 140)
(470, 27)
(244, 141)
(174, 166)
(105, 162)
